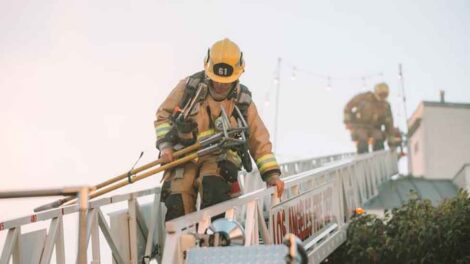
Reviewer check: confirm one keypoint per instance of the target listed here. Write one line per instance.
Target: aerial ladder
(320, 198)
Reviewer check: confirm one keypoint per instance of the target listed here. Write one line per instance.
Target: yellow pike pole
(178, 153)
(149, 165)
(195, 147)
(144, 175)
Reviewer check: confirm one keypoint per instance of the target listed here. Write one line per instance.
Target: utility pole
(407, 142)
(402, 84)
(276, 113)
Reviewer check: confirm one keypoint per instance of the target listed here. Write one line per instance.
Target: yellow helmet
(381, 90)
(224, 62)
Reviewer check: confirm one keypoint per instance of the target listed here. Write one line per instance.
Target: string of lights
(376, 77)
(328, 79)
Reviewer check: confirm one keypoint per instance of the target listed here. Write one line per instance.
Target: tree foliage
(415, 233)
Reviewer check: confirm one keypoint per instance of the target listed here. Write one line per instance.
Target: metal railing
(298, 166)
(462, 178)
(316, 207)
(328, 194)
(96, 222)
(252, 181)
(13, 241)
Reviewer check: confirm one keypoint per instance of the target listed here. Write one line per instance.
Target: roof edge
(445, 104)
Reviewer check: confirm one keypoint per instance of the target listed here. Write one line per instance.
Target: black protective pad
(174, 205)
(214, 190)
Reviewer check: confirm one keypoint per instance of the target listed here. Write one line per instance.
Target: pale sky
(80, 80)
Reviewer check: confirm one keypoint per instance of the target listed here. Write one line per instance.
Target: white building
(439, 139)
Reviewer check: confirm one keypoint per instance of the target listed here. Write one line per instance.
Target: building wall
(416, 143)
(447, 135)
(417, 151)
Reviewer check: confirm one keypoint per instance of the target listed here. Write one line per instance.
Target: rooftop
(415, 120)
(446, 104)
(394, 193)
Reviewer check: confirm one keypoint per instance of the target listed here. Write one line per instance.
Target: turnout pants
(179, 191)
(365, 135)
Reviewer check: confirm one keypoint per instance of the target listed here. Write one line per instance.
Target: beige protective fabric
(182, 180)
(366, 110)
(204, 114)
(259, 143)
(187, 180)
(367, 134)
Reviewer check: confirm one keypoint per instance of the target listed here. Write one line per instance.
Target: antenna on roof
(442, 95)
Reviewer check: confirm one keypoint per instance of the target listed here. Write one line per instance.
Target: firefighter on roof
(369, 118)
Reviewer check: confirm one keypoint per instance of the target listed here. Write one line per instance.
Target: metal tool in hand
(129, 176)
(212, 145)
(224, 139)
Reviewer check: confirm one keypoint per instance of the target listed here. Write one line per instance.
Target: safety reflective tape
(162, 129)
(266, 163)
(268, 166)
(162, 132)
(265, 158)
(206, 133)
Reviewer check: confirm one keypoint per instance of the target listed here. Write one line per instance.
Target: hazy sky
(80, 80)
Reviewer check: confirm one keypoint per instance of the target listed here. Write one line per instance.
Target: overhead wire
(328, 78)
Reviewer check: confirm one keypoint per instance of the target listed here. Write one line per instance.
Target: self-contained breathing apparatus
(230, 160)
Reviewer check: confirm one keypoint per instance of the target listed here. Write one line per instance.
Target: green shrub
(415, 233)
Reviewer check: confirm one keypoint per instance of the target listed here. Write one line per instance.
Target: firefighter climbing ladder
(320, 196)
